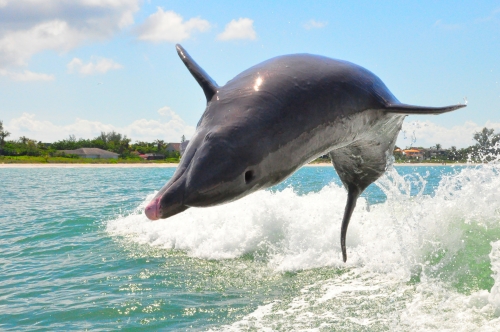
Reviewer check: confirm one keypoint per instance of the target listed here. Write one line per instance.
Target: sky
(79, 67)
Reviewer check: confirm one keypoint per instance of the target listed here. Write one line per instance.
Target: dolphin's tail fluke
(358, 165)
(415, 110)
(352, 197)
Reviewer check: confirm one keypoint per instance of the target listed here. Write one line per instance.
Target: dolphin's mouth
(209, 190)
(152, 210)
(166, 205)
(170, 199)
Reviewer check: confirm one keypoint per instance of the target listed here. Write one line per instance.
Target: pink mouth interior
(152, 210)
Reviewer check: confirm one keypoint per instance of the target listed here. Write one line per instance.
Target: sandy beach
(433, 164)
(84, 165)
(405, 164)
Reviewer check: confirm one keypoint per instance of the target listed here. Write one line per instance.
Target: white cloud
(170, 129)
(168, 26)
(169, 113)
(27, 76)
(18, 46)
(100, 66)
(313, 24)
(28, 27)
(446, 26)
(427, 133)
(238, 29)
(490, 17)
(164, 110)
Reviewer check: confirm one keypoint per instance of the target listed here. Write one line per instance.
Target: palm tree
(453, 153)
(159, 143)
(23, 140)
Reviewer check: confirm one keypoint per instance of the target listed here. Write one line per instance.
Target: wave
(369, 301)
(419, 261)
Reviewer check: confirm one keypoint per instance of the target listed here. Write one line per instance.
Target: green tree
(453, 153)
(159, 144)
(486, 137)
(115, 137)
(32, 148)
(23, 140)
(103, 137)
(124, 147)
(3, 134)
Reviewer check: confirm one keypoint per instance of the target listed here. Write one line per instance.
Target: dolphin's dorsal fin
(415, 110)
(206, 82)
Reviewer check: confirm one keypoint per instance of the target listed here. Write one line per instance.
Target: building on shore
(435, 153)
(183, 147)
(173, 147)
(93, 153)
(152, 156)
(414, 153)
(177, 147)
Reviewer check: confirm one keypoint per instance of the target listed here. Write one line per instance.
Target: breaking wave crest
(418, 261)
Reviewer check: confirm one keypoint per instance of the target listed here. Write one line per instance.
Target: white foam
(272, 223)
(494, 296)
(387, 244)
(489, 302)
(300, 232)
(372, 302)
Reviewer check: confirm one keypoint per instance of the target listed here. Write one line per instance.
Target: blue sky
(85, 66)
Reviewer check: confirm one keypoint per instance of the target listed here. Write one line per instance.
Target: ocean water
(77, 253)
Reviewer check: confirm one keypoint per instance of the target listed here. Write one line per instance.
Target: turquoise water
(77, 253)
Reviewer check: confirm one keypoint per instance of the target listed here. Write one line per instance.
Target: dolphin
(278, 115)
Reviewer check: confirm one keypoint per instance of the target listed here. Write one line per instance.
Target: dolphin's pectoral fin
(204, 80)
(416, 110)
(358, 165)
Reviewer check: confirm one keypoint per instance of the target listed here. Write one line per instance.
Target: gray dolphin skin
(273, 118)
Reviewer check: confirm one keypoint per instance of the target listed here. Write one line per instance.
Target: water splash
(413, 138)
(294, 232)
(416, 261)
(489, 154)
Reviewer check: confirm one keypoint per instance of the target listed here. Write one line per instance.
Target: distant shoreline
(75, 165)
(402, 164)
(167, 165)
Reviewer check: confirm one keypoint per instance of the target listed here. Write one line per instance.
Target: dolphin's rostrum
(273, 118)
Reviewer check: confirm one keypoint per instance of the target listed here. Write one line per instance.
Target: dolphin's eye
(248, 176)
(207, 137)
